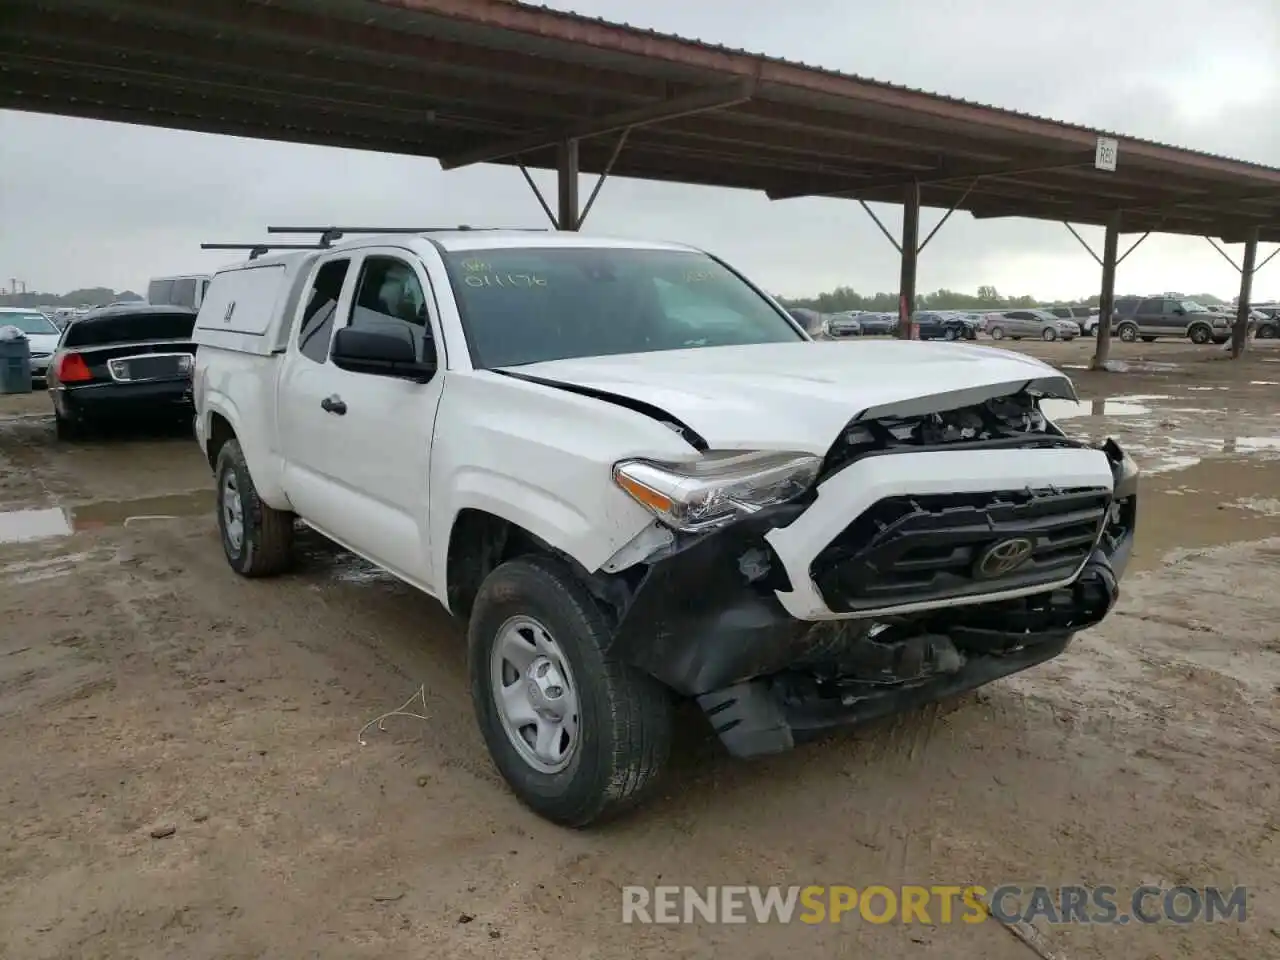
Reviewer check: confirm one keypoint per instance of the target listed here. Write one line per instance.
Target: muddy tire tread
(268, 532)
(635, 739)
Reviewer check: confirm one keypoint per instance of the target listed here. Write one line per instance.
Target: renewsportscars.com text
(935, 904)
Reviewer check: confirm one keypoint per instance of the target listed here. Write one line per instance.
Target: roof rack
(330, 235)
(258, 249)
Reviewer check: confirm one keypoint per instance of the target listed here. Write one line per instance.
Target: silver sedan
(1040, 324)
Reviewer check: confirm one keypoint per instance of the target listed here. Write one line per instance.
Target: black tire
(1265, 332)
(1128, 332)
(1048, 333)
(1200, 334)
(951, 334)
(996, 333)
(625, 716)
(266, 542)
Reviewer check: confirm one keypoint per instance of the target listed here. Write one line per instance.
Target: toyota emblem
(1001, 559)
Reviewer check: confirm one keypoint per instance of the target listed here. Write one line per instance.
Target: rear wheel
(1128, 332)
(257, 540)
(997, 333)
(1049, 334)
(1200, 334)
(67, 428)
(578, 735)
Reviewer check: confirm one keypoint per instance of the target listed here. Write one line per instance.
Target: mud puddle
(1138, 405)
(22, 526)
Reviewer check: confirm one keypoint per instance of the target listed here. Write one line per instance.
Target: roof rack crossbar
(256, 250)
(329, 235)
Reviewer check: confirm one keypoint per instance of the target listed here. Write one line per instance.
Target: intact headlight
(718, 488)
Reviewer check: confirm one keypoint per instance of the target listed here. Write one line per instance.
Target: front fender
(589, 537)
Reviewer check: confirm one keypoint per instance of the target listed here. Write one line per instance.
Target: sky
(84, 203)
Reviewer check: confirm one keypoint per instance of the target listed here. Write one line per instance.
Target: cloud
(85, 203)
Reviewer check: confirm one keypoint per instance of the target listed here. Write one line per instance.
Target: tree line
(85, 297)
(843, 299)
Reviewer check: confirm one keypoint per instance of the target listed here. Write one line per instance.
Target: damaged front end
(904, 600)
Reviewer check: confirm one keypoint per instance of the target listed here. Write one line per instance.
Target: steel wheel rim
(534, 694)
(232, 511)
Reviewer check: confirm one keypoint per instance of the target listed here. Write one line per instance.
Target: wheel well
(219, 433)
(480, 541)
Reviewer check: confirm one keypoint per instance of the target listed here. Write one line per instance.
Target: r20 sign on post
(1104, 155)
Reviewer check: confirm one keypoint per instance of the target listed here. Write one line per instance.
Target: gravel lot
(181, 772)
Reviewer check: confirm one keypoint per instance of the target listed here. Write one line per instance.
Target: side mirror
(383, 353)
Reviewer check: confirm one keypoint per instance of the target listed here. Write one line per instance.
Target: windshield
(28, 322)
(528, 305)
(1192, 307)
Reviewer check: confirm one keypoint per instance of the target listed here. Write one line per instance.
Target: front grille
(907, 550)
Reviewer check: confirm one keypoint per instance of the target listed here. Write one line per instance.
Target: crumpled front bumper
(726, 619)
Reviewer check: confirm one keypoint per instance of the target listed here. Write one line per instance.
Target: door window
(316, 328)
(389, 299)
(160, 292)
(184, 292)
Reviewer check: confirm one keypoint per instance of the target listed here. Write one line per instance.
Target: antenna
(258, 249)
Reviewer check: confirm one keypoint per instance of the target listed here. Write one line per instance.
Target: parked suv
(639, 480)
(1152, 317)
(1268, 327)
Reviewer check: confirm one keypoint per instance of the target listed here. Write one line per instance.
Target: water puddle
(321, 555)
(21, 526)
(1217, 500)
(1137, 405)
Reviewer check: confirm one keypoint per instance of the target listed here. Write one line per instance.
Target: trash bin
(15, 361)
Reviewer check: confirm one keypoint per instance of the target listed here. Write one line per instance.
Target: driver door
(374, 455)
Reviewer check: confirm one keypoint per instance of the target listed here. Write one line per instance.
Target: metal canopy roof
(471, 81)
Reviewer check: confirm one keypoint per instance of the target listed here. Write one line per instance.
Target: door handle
(334, 404)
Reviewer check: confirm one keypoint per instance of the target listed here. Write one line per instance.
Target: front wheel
(996, 333)
(578, 735)
(1049, 334)
(257, 540)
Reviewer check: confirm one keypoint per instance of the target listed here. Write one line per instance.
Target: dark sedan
(123, 364)
(877, 324)
(936, 326)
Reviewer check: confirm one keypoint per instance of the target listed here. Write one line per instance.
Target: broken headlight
(718, 488)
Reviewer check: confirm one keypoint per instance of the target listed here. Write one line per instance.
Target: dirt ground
(181, 772)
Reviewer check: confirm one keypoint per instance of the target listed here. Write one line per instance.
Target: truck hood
(798, 396)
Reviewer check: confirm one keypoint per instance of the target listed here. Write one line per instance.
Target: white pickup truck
(639, 480)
